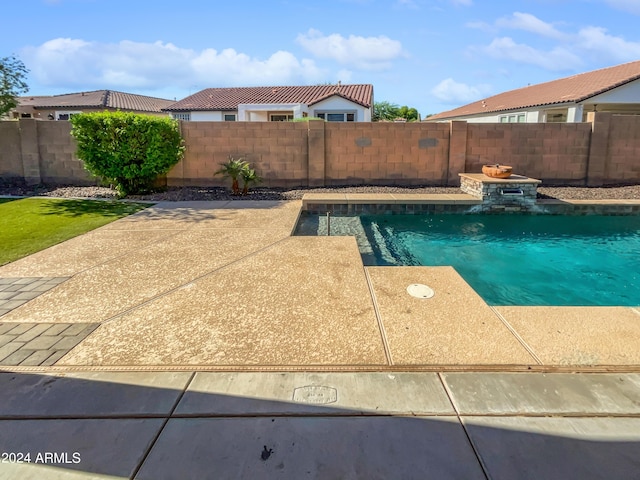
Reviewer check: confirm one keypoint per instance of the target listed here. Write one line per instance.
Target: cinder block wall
(623, 152)
(10, 152)
(316, 153)
(278, 150)
(555, 152)
(58, 161)
(386, 153)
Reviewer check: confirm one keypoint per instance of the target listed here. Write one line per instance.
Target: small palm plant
(233, 168)
(249, 177)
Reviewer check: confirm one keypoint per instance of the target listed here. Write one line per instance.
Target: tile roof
(574, 89)
(98, 99)
(230, 98)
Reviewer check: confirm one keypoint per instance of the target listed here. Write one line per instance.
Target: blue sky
(434, 55)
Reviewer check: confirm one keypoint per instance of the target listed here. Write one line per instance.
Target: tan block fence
(603, 152)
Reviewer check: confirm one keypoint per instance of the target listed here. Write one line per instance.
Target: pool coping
(355, 203)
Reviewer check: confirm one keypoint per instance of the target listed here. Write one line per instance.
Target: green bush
(129, 150)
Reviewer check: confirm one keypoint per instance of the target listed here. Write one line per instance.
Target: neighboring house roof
(574, 89)
(98, 99)
(230, 98)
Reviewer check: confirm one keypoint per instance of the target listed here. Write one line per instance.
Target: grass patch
(32, 224)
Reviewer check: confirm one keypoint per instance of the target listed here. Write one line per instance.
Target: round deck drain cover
(419, 290)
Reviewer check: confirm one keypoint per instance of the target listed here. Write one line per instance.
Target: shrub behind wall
(129, 150)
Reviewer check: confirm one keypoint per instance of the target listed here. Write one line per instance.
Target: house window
(517, 118)
(185, 116)
(281, 117)
(25, 115)
(65, 115)
(337, 116)
(556, 118)
(229, 117)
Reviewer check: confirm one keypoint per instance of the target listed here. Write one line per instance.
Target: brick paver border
(35, 344)
(17, 291)
(39, 344)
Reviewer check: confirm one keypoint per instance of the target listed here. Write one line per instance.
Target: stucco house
(62, 107)
(571, 99)
(334, 103)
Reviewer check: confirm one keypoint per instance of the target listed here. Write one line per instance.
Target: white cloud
(572, 50)
(596, 41)
(368, 53)
(75, 63)
(450, 91)
(238, 68)
(559, 58)
(465, 3)
(530, 23)
(631, 6)
(344, 75)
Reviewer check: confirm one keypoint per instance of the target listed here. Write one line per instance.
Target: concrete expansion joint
(450, 397)
(376, 309)
(164, 425)
(328, 414)
(551, 415)
(435, 368)
(120, 416)
(448, 393)
(516, 335)
(128, 253)
(193, 281)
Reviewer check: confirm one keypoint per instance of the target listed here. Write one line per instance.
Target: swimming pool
(508, 259)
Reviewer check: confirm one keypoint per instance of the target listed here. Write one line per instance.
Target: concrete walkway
(197, 425)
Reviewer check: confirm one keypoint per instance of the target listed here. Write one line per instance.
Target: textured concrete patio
(315, 354)
(223, 285)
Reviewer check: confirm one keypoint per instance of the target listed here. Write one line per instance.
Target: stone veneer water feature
(480, 194)
(514, 194)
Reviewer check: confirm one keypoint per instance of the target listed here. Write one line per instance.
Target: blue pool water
(509, 259)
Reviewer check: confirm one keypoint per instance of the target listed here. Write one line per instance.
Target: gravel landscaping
(628, 192)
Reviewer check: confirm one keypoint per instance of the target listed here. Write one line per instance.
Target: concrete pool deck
(200, 340)
(224, 286)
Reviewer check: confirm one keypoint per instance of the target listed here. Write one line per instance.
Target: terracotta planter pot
(497, 171)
